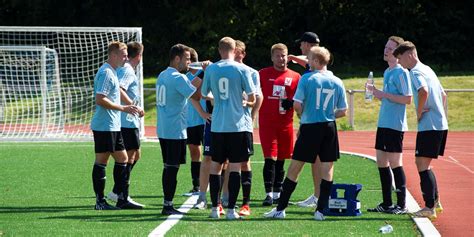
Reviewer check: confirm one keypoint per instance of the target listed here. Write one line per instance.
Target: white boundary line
(424, 224)
(172, 220)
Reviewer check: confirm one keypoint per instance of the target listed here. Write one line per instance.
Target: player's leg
(205, 167)
(194, 141)
(174, 154)
(396, 164)
(285, 151)
(218, 159)
(327, 170)
(269, 148)
(246, 182)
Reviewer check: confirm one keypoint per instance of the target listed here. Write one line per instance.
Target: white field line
(174, 219)
(424, 224)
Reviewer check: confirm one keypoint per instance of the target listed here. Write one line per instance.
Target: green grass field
(46, 190)
(366, 114)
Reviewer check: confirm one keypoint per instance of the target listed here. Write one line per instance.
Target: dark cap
(309, 37)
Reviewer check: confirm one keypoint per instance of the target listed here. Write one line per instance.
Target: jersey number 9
(224, 88)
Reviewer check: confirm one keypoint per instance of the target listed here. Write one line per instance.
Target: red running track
(454, 173)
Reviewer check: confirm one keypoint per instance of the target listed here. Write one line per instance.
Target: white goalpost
(47, 76)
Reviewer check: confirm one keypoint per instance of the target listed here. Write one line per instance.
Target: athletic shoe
(215, 214)
(318, 216)
(397, 210)
(438, 206)
(169, 210)
(311, 201)
(201, 205)
(276, 200)
(380, 208)
(112, 196)
(103, 205)
(232, 215)
(220, 209)
(129, 199)
(245, 210)
(193, 191)
(275, 214)
(425, 212)
(128, 205)
(268, 201)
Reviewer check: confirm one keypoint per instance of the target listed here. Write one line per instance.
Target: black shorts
(235, 146)
(131, 138)
(173, 151)
(195, 135)
(431, 143)
(107, 141)
(389, 140)
(317, 139)
(207, 151)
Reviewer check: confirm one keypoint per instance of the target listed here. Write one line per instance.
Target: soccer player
(130, 124)
(430, 102)
(307, 41)
(231, 127)
(320, 98)
(105, 126)
(276, 120)
(172, 91)
(252, 111)
(195, 128)
(391, 126)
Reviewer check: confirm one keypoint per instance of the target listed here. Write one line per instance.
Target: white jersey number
(329, 93)
(224, 88)
(161, 95)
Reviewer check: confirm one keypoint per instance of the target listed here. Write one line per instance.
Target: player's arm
(298, 108)
(105, 102)
(256, 106)
(400, 99)
(196, 82)
(340, 113)
(200, 110)
(300, 59)
(124, 97)
(250, 102)
(422, 98)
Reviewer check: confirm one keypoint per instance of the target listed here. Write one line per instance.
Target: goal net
(47, 79)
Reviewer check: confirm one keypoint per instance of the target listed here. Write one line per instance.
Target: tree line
(354, 31)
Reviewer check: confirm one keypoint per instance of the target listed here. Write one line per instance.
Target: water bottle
(282, 110)
(369, 92)
(195, 65)
(386, 229)
(132, 116)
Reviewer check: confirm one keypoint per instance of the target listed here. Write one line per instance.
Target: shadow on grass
(29, 209)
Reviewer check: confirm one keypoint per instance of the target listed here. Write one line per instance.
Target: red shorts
(277, 139)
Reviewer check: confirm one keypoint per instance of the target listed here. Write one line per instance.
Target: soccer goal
(47, 76)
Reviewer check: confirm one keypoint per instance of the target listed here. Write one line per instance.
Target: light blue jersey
(258, 91)
(106, 83)
(321, 94)
(192, 116)
(227, 80)
(129, 82)
(393, 115)
(172, 91)
(434, 118)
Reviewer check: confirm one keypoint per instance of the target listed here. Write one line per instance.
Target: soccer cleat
(275, 201)
(311, 201)
(112, 196)
(245, 210)
(397, 210)
(201, 205)
(380, 208)
(128, 205)
(129, 199)
(275, 214)
(268, 201)
(318, 216)
(103, 205)
(169, 210)
(438, 206)
(215, 214)
(427, 212)
(232, 215)
(220, 209)
(193, 191)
